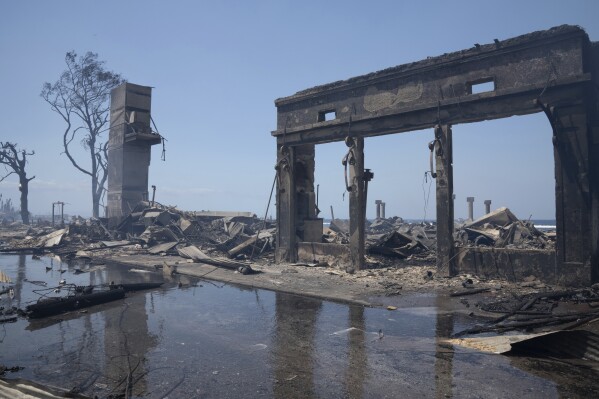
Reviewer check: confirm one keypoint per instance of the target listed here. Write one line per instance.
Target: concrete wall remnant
(555, 71)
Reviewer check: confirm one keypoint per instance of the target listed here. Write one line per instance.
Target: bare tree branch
(4, 177)
(82, 93)
(16, 160)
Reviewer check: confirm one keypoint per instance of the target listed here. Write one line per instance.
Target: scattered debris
(537, 311)
(79, 297)
(397, 244)
(194, 253)
(469, 292)
(502, 229)
(564, 344)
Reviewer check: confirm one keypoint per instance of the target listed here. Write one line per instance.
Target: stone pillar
(470, 201)
(286, 239)
(357, 206)
(296, 200)
(378, 208)
(487, 207)
(576, 151)
(383, 210)
(444, 191)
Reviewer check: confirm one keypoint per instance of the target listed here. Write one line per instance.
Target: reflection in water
(295, 357)
(21, 275)
(105, 344)
(213, 341)
(127, 341)
(443, 352)
(358, 361)
(293, 350)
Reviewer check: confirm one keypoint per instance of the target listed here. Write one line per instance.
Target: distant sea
(541, 224)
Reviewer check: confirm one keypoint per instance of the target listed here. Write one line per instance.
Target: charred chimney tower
(129, 148)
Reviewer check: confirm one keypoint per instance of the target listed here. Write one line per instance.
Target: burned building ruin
(554, 71)
(129, 148)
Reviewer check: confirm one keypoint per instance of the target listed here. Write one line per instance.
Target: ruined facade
(554, 71)
(129, 148)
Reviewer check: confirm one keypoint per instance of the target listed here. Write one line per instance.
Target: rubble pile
(152, 229)
(502, 229)
(396, 239)
(381, 226)
(155, 229)
(539, 310)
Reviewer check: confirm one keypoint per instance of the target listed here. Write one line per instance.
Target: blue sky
(217, 67)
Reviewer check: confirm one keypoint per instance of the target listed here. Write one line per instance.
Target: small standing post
(470, 207)
(487, 207)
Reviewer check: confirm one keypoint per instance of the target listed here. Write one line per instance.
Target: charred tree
(15, 161)
(81, 97)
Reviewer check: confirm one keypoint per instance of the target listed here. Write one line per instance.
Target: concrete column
(470, 201)
(378, 208)
(296, 200)
(383, 210)
(357, 207)
(487, 207)
(576, 152)
(444, 191)
(286, 224)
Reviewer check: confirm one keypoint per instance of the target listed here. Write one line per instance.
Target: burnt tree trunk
(24, 189)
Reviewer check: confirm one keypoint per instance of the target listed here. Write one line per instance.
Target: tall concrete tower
(129, 148)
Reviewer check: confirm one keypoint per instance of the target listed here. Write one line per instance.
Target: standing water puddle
(205, 340)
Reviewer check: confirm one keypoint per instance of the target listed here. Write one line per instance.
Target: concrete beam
(441, 89)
